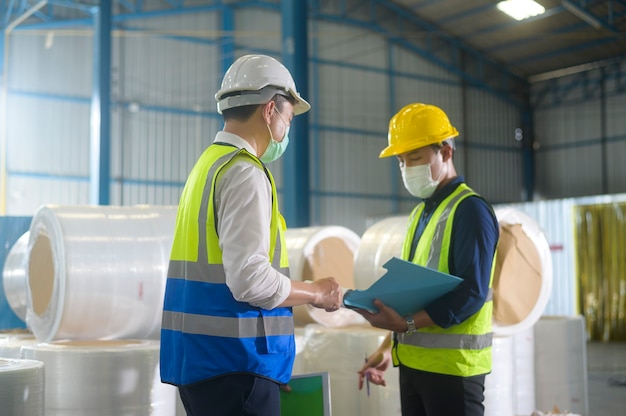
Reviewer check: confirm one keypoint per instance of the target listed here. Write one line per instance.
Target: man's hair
(244, 112)
(447, 142)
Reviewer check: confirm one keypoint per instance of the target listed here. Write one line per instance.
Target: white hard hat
(255, 79)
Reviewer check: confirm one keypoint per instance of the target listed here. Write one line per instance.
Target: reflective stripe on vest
(463, 349)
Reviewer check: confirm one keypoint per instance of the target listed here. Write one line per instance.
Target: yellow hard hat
(417, 125)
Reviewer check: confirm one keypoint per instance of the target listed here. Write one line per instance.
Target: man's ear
(267, 111)
(446, 152)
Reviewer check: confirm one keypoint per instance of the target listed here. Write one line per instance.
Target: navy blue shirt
(474, 238)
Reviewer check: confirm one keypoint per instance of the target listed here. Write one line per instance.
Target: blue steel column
(296, 187)
(227, 40)
(100, 151)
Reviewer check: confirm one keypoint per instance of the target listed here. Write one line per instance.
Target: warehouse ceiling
(570, 33)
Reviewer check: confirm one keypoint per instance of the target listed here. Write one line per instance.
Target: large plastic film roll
(499, 395)
(523, 276)
(14, 276)
(107, 377)
(380, 242)
(341, 352)
(98, 272)
(318, 252)
(524, 370)
(21, 387)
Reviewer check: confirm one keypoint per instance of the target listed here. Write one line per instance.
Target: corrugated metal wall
(165, 70)
(580, 132)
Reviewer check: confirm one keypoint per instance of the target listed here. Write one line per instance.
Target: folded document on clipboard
(406, 287)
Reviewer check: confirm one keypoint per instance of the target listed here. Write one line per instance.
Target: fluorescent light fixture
(521, 9)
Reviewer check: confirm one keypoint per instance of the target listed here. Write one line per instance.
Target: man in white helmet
(227, 332)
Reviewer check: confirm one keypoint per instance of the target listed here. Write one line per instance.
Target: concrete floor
(606, 375)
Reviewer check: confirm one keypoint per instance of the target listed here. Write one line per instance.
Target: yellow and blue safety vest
(206, 332)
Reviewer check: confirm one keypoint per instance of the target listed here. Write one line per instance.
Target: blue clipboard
(406, 287)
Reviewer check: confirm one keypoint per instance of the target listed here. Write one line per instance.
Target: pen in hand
(367, 379)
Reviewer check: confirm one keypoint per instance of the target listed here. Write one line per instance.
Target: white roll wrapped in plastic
(380, 242)
(499, 395)
(107, 377)
(14, 276)
(523, 276)
(524, 370)
(12, 342)
(318, 252)
(21, 387)
(98, 272)
(341, 352)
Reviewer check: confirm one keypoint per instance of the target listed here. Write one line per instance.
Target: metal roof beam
(587, 16)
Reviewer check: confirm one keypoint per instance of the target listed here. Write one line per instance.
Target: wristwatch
(410, 324)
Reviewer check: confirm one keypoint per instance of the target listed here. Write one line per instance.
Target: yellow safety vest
(460, 350)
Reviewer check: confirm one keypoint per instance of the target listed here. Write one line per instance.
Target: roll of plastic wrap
(107, 377)
(318, 252)
(379, 243)
(14, 276)
(561, 364)
(499, 397)
(21, 387)
(98, 272)
(341, 352)
(298, 364)
(524, 370)
(12, 342)
(523, 276)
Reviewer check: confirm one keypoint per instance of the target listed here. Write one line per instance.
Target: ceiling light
(521, 9)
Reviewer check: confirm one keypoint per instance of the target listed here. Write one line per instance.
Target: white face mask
(419, 181)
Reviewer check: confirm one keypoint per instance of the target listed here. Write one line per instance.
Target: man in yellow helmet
(443, 351)
(227, 337)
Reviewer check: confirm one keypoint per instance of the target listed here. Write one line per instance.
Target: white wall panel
(157, 68)
(405, 61)
(572, 171)
(27, 193)
(349, 163)
(48, 137)
(51, 61)
(349, 45)
(567, 125)
(351, 98)
(258, 29)
(616, 166)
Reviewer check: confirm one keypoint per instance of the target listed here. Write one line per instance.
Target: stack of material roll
(14, 276)
(21, 387)
(11, 342)
(318, 252)
(380, 242)
(114, 377)
(95, 277)
(341, 353)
